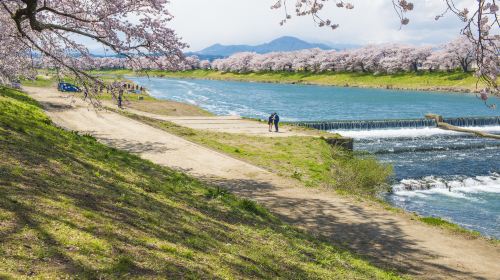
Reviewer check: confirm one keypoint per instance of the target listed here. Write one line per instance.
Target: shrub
(361, 175)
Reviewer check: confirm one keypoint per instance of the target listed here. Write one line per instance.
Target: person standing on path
(120, 98)
(276, 121)
(270, 122)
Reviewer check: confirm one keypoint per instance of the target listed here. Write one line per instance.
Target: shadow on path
(134, 146)
(380, 240)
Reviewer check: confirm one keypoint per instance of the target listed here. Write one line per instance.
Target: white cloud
(205, 22)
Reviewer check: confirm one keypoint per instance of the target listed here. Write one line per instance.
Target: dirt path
(388, 239)
(227, 124)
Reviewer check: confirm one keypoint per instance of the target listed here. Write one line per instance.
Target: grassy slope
(420, 81)
(308, 159)
(73, 208)
(167, 108)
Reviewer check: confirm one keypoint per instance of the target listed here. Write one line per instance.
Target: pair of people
(274, 120)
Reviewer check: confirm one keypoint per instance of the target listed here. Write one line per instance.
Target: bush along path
(389, 240)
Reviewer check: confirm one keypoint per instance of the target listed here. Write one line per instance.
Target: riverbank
(424, 81)
(389, 239)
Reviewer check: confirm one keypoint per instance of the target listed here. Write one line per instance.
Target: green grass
(127, 97)
(166, 108)
(310, 160)
(45, 79)
(118, 72)
(446, 81)
(39, 81)
(438, 222)
(456, 229)
(72, 208)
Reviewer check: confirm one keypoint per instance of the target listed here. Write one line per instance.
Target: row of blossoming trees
(458, 54)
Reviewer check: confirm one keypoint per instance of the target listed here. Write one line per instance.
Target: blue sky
(205, 22)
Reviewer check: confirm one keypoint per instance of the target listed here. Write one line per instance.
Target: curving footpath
(388, 239)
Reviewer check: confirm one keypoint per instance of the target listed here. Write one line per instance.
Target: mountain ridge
(281, 44)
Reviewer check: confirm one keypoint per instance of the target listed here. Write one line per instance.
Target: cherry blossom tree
(15, 60)
(303, 59)
(402, 58)
(284, 62)
(205, 64)
(261, 63)
(135, 29)
(439, 60)
(325, 61)
(190, 63)
(481, 27)
(462, 52)
(356, 61)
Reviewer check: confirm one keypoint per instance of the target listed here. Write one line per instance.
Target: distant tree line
(458, 54)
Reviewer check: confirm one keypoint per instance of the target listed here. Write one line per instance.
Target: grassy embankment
(73, 208)
(442, 81)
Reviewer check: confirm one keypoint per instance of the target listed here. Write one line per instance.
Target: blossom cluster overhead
(53, 29)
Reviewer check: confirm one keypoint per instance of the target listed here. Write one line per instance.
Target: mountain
(282, 44)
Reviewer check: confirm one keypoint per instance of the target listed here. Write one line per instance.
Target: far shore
(451, 82)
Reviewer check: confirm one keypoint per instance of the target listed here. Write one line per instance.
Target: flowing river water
(438, 173)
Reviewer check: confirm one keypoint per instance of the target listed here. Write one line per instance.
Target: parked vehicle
(16, 85)
(67, 87)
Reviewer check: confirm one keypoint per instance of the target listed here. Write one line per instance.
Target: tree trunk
(414, 66)
(465, 65)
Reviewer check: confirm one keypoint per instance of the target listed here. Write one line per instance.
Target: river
(437, 173)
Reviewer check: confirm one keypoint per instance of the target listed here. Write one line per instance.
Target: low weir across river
(401, 123)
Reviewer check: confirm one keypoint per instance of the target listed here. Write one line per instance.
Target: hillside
(73, 208)
(282, 44)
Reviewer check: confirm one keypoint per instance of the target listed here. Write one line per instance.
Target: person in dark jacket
(270, 122)
(276, 121)
(120, 98)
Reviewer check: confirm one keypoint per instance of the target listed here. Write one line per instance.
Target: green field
(443, 81)
(71, 208)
